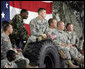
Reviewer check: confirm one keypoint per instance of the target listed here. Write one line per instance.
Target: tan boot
(29, 66)
(80, 60)
(63, 56)
(71, 65)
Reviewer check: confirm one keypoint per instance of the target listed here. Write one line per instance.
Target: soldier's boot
(71, 65)
(29, 66)
(80, 60)
(63, 56)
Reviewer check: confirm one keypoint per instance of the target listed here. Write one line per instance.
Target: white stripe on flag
(14, 11)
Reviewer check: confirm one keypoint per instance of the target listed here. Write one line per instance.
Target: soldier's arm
(75, 40)
(21, 29)
(34, 28)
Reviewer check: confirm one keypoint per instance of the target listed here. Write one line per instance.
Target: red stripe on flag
(32, 5)
(28, 29)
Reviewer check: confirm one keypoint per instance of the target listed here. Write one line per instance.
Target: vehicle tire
(43, 53)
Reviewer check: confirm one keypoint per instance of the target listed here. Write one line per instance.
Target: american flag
(11, 8)
(5, 11)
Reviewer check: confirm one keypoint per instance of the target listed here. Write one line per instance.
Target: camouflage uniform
(62, 38)
(40, 27)
(8, 64)
(5, 44)
(74, 40)
(19, 31)
(52, 32)
(21, 61)
(73, 50)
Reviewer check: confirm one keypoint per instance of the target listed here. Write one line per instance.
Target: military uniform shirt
(8, 64)
(5, 44)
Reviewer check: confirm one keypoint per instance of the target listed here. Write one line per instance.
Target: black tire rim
(49, 61)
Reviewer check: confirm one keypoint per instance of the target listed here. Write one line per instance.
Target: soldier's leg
(64, 52)
(68, 58)
(76, 55)
(21, 61)
(30, 39)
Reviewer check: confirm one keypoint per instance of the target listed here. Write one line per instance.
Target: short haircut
(58, 23)
(4, 22)
(40, 9)
(11, 54)
(50, 21)
(68, 24)
(6, 25)
(23, 11)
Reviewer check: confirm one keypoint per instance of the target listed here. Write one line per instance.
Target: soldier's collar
(20, 16)
(5, 34)
(8, 62)
(69, 32)
(60, 31)
(39, 19)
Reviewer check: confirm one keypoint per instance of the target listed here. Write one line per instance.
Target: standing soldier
(39, 27)
(76, 55)
(19, 34)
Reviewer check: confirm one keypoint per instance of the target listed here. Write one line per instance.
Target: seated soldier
(5, 41)
(52, 28)
(72, 36)
(39, 27)
(6, 44)
(63, 44)
(9, 61)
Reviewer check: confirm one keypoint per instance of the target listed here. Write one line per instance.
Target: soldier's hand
(63, 44)
(44, 36)
(5, 66)
(69, 44)
(51, 36)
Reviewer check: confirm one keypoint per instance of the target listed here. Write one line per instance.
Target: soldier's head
(7, 27)
(11, 55)
(52, 22)
(24, 13)
(42, 12)
(69, 27)
(60, 25)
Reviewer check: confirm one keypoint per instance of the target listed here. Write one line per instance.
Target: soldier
(63, 44)
(76, 55)
(9, 61)
(39, 27)
(6, 44)
(5, 41)
(19, 34)
(3, 23)
(52, 30)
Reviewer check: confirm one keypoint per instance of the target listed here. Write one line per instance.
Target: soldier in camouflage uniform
(5, 41)
(52, 29)
(72, 36)
(63, 44)
(9, 61)
(6, 45)
(19, 34)
(39, 27)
